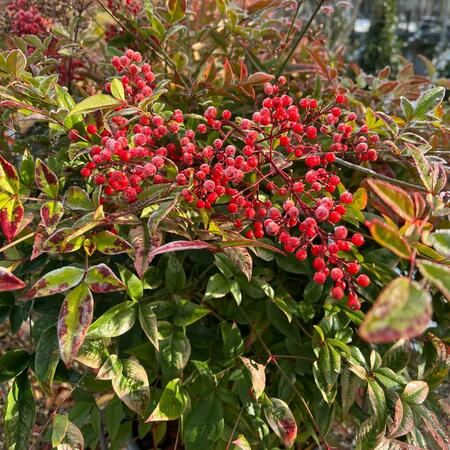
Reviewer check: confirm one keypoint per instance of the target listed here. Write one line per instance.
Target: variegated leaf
(51, 213)
(101, 279)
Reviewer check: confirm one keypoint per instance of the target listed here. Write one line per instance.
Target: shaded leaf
(401, 311)
(77, 199)
(174, 353)
(377, 400)
(242, 260)
(13, 363)
(149, 324)
(46, 358)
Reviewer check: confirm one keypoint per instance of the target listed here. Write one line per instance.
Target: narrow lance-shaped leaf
(9, 180)
(60, 424)
(282, 421)
(438, 274)
(428, 102)
(177, 246)
(132, 386)
(114, 322)
(74, 320)
(377, 400)
(93, 103)
(143, 244)
(8, 281)
(11, 216)
(149, 323)
(56, 281)
(51, 213)
(396, 198)
(388, 237)
(109, 243)
(101, 279)
(242, 259)
(401, 311)
(19, 414)
(172, 403)
(46, 180)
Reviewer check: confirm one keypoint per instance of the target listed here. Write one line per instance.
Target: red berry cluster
(251, 170)
(26, 19)
(132, 7)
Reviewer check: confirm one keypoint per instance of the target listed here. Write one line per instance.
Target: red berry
(91, 129)
(353, 268)
(358, 239)
(337, 293)
(340, 98)
(363, 280)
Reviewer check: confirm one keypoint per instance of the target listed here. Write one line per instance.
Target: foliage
(225, 245)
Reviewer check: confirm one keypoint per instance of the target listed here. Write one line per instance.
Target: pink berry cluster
(26, 19)
(271, 173)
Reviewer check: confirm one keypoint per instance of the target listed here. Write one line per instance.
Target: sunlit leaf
(172, 403)
(282, 421)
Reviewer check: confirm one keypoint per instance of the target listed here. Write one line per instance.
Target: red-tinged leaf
(73, 322)
(402, 311)
(395, 197)
(56, 281)
(178, 246)
(228, 73)
(143, 244)
(51, 213)
(257, 375)
(11, 216)
(242, 443)
(110, 244)
(58, 243)
(9, 180)
(101, 280)
(244, 72)
(8, 281)
(282, 421)
(46, 180)
(39, 239)
(388, 237)
(438, 274)
(257, 78)
(241, 242)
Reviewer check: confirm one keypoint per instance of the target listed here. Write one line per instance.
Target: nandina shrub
(226, 275)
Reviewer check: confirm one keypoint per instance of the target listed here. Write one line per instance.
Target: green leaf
(149, 323)
(110, 244)
(174, 353)
(349, 389)
(101, 279)
(407, 108)
(377, 400)
(422, 166)
(257, 375)
(203, 424)
(438, 274)
(242, 443)
(217, 286)
(77, 199)
(114, 322)
(93, 103)
(401, 311)
(45, 179)
(51, 213)
(19, 414)
(441, 242)
(58, 242)
(60, 424)
(282, 421)
(172, 403)
(388, 237)
(403, 421)
(92, 353)
(187, 313)
(56, 281)
(117, 89)
(395, 197)
(46, 358)
(175, 276)
(73, 439)
(132, 386)
(176, 9)
(415, 392)
(13, 363)
(74, 320)
(110, 369)
(16, 62)
(428, 102)
(134, 286)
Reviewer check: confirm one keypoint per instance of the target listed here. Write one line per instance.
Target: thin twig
(234, 428)
(299, 4)
(379, 175)
(300, 36)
